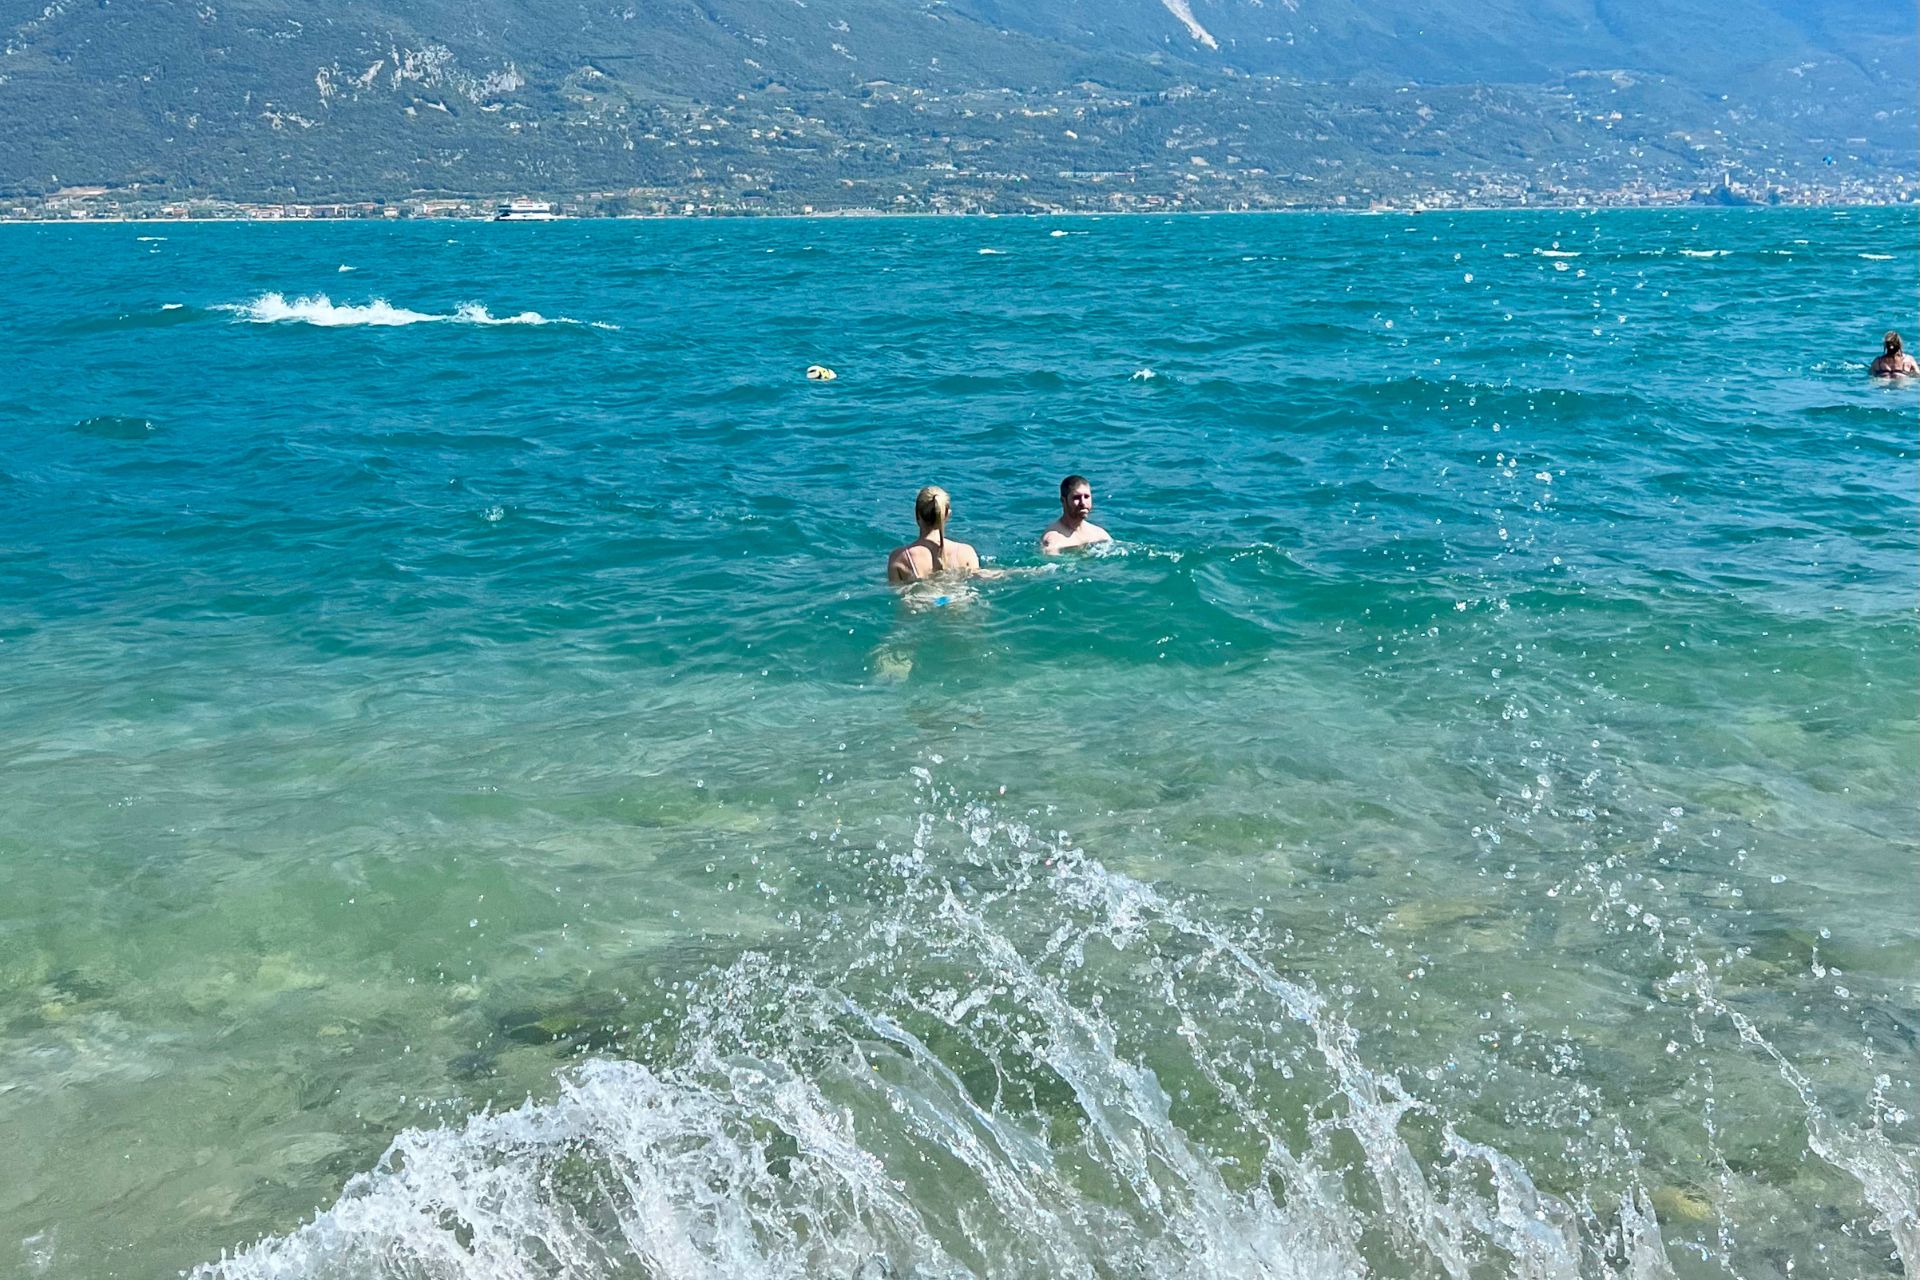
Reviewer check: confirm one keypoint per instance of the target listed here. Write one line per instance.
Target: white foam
(1704, 253)
(151, 239)
(807, 1126)
(275, 308)
(1056, 234)
(1877, 257)
(345, 268)
(320, 310)
(1556, 253)
(172, 306)
(476, 313)
(993, 252)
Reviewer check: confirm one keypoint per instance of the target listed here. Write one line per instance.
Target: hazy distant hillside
(1708, 45)
(863, 101)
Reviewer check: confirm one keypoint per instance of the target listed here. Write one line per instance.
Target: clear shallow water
(1467, 827)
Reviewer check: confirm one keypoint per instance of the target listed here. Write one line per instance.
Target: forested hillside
(989, 103)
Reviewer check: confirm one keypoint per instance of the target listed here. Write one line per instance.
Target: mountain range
(974, 103)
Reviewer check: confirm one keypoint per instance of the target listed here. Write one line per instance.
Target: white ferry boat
(526, 211)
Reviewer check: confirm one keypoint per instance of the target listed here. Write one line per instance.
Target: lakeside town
(1095, 193)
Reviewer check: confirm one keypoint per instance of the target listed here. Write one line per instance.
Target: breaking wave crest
(1020, 1064)
(320, 310)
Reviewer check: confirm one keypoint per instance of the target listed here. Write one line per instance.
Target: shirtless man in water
(1073, 528)
(1894, 362)
(932, 552)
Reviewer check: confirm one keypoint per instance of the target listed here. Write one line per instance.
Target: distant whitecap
(321, 311)
(276, 308)
(477, 313)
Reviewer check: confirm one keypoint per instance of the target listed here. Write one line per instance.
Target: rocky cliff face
(330, 98)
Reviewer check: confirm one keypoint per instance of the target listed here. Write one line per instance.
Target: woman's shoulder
(903, 564)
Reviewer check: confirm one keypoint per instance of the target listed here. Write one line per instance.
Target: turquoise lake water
(474, 808)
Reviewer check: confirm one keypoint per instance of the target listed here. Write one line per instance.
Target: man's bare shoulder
(1056, 538)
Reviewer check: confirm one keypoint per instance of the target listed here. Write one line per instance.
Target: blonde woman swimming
(933, 552)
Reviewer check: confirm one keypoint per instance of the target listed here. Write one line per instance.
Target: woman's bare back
(922, 558)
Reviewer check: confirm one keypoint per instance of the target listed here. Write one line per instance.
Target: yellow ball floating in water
(820, 373)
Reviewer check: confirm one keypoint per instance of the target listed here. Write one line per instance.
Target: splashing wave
(320, 310)
(1038, 1067)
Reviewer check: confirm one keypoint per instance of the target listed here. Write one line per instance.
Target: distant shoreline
(843, 215)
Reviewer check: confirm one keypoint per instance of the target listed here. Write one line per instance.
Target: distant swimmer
(1894, 362)
(933, 551)
(1073, 528)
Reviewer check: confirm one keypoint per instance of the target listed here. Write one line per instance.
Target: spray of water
(1888, 1177)
(1017, 1063)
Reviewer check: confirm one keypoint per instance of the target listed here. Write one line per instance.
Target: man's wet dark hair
(1066, 486)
